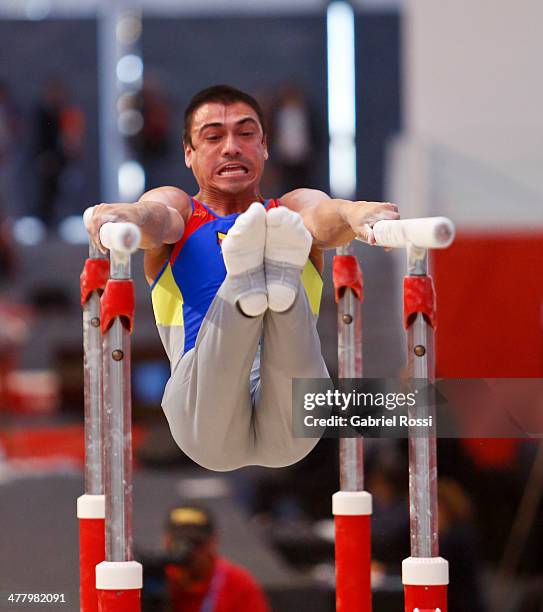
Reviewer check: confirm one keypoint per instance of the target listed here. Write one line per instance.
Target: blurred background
(439, 111)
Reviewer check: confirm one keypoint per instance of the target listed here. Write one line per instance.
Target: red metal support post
(351, 505)
(91, 505)
(425, 574)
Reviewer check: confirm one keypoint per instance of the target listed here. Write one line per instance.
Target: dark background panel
(255, 53)
(32, 53)
(378, 95)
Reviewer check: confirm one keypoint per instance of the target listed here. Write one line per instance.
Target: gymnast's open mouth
(233, 169)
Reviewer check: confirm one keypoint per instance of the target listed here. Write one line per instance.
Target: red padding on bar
(346, 273)
(353, 563)
(91, 552)
(119, 601)
(419, 296)
(425, 598)
(118, 300)
(94, 277)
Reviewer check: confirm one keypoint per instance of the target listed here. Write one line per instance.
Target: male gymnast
(236, 286)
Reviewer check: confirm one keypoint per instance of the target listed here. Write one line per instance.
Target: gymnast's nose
(231, 146)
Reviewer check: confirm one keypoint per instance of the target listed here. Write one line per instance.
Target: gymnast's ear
(188, 150)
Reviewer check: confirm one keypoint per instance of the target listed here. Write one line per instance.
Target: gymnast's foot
(243, 251)
(288, 243)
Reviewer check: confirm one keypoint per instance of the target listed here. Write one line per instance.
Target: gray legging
(223, 410)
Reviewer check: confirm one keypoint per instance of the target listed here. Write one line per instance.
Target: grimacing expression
(230, 148)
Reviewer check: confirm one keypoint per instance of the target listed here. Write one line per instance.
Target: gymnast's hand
(159, 223)
(362, 216)
(105, 213)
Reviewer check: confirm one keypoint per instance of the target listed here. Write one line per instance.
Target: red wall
(490, 306)
(490, 318)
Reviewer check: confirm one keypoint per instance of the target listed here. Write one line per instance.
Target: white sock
(288, 243)
(243, 251)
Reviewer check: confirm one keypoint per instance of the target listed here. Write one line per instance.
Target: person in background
(152, 143)
(198, 578)
(388, 483)
(15, 317)
(292, 138)
(458, 544)
(9, 132)
(8, 264)
(59, 140)
(49, 154)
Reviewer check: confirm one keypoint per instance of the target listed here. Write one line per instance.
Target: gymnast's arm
(159, 213)
(334, 222)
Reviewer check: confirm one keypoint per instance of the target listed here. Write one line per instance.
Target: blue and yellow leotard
(188, 282)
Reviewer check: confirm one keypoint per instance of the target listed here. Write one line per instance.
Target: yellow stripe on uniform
(313, 284)
(167, 300)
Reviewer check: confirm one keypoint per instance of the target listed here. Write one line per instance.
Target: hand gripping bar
(426, 232)
(121, 237)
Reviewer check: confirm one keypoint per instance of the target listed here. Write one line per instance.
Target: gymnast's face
(229, 148)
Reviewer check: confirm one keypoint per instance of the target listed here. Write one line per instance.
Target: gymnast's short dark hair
(223, 94)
